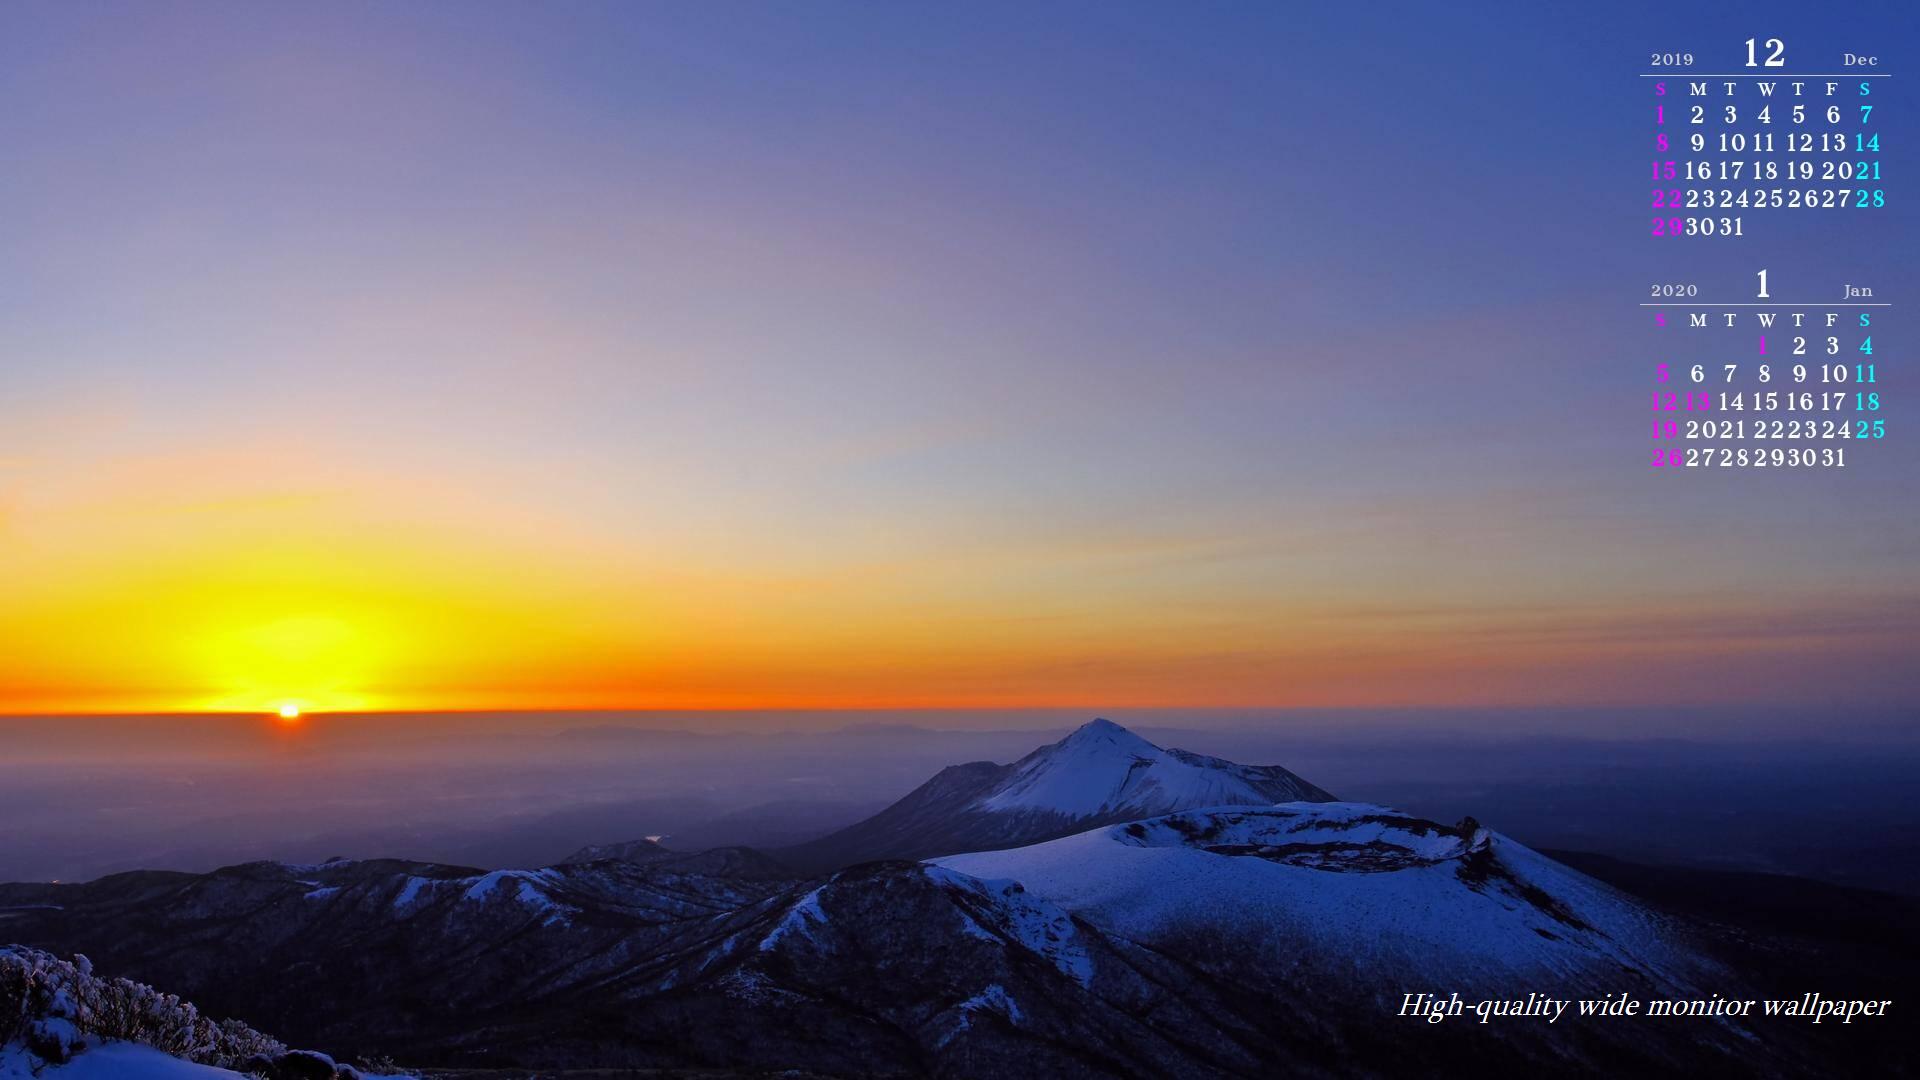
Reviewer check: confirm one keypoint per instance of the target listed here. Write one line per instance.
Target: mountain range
(1102, 907)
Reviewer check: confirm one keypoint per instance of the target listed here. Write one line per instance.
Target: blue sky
(1029, 354)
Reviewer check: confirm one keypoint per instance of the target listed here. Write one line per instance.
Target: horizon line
(1092, 711)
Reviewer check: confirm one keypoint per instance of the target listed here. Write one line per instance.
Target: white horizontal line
(1783, 303)
(1769, 75)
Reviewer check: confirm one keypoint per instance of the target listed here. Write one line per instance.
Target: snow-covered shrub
(55, 1004)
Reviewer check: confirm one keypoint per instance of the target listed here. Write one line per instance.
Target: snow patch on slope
(529, 891)
(410, 891)
(800, 919)
(994, 1000)
(1005, 910)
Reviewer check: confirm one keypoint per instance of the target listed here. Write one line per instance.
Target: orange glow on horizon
(236, 594)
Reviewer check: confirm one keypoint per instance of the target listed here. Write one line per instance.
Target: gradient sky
(440, 355)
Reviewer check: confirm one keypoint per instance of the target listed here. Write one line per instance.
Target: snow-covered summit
(1102, 730)
(1099, 774)
(1102, 769)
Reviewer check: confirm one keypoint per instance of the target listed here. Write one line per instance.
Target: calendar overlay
(1766, 373)
(1733, 148)
(1764, 383)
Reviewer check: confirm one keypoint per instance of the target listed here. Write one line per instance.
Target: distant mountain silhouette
(1099, 774)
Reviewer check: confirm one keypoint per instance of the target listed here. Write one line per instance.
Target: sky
(489, 356)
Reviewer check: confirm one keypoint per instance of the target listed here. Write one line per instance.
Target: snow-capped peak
(1101, 732)
(1103, 769)
(1099, 774)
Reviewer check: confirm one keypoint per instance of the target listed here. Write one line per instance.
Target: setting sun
(289, 711)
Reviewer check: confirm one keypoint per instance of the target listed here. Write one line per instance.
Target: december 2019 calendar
(983, 541)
